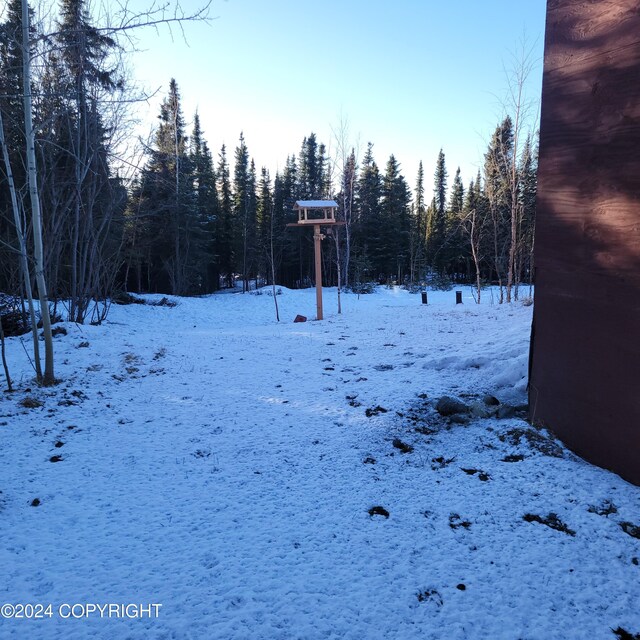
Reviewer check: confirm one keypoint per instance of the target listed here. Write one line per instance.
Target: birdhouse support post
(317, 243)
(322, 214)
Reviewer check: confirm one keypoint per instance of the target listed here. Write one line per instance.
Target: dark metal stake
(458, 297)
(424, 297)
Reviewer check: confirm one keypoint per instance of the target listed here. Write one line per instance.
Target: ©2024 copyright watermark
(79, 610)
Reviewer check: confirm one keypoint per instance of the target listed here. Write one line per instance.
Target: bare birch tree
(520, 108)
(48, 377)
(22, 248)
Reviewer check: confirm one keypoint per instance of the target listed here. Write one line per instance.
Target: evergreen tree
(368, 198)
(166, 201)
(224, 234)
(456, 202)
(253, 231)
(310, 179)
(393, 238)
(13, 121)
(497, 170)
(84, 52)
(264, 212)
(244, 213)
(418, 228)
(347, 210)
(286, 192)
(528, 183)
(473, 226)
(456, 250)
(437, 219)
(206, 209)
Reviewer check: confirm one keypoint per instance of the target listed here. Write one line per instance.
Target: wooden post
(317, 238)
(458, 297)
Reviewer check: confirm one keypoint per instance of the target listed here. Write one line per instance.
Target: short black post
(424, 297)
(458, 297)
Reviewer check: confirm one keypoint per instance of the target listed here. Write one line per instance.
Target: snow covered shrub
(440, 282)
(164, 302)
(122, 297)
(14, 323)
(414, 287)
(362, 287)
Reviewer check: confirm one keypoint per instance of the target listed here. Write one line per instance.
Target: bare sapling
(4, 358)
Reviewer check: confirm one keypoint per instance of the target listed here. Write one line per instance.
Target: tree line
(190, 222)
(193, 225)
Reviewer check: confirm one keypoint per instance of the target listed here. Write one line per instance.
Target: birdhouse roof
(316, 204)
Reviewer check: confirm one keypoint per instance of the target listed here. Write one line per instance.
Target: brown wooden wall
(585, 364)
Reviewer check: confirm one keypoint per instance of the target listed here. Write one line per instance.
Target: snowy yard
(294, 481)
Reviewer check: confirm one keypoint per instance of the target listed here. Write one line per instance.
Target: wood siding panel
(585, 365)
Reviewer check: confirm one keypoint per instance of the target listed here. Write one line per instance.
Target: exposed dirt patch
(513, 458)
(551, 520)
(29, 402)
(536, 441)
(375, 411)
(402, 446)
(482, 475)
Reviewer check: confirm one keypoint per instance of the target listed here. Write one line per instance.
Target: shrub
(122, 297)
(362, 287)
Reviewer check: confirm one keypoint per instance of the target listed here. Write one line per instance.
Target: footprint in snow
(430, 595)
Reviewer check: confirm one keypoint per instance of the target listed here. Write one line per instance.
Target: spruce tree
(393, 238)
(264, 213)
(456, 202)
(347, 211)
(368, 197)
(13, 121)
(84, 52)
(528, 183)
(242, 210)
(437, 221)
(497, 169)
(224, 234)
(288, 241)
(418, 228)
(310, 179)
(205, 209)
(166, 202)
(455, 250)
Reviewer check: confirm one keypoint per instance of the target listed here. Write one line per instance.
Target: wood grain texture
(585, 365)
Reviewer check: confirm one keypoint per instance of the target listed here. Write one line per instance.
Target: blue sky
(410, 76)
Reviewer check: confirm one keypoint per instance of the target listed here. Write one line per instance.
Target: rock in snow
(448, 406)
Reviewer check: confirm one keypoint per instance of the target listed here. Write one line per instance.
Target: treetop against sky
(410, 76)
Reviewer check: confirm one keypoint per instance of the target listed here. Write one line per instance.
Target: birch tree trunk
(48, 378)
(24, 263)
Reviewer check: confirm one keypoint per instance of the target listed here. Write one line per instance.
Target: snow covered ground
(240, 472)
